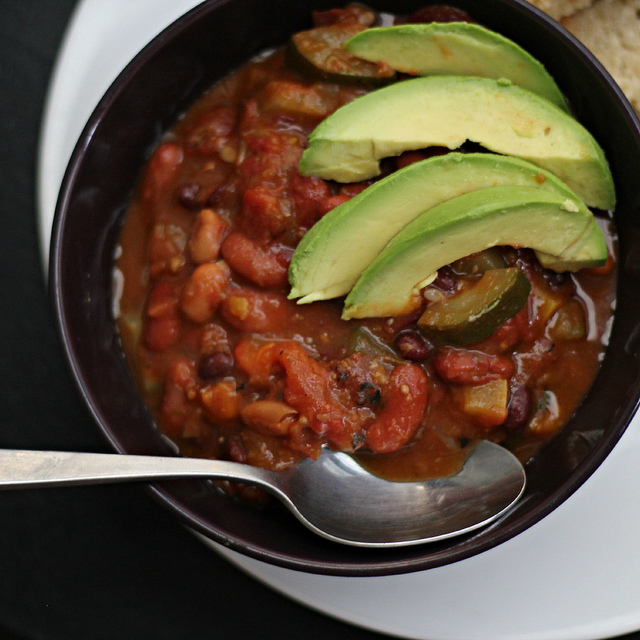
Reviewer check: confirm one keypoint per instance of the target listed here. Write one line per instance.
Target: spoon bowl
(333, 496)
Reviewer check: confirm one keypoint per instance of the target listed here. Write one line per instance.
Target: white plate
(574, 576)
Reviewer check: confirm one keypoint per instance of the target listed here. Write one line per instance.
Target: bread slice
(558, 9)
(611, 30)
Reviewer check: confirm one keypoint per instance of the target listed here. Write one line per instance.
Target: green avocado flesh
(476, 312)
(564, 236)
(455, 48)
(448, 110)
(337, 249)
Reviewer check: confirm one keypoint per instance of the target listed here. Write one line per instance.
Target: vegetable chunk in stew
(495, 347)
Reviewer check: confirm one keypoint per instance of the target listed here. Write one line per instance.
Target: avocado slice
(475, 313)
(446, 111)
(340, 246)
(517, 216)
(455, 48)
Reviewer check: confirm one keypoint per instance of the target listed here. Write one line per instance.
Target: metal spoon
(333, 496)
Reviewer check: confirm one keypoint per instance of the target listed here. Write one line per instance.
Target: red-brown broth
(232, 369)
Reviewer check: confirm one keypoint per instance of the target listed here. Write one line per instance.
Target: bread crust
(611, 30)
(558, 9)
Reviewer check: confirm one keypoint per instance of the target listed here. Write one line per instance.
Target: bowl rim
(163, 493)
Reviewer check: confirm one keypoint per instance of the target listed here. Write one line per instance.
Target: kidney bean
(162, 332)
(351, 14)
(177, 413)
(462, 366)
(263, 264)
(162, 326)
(262, 209)
(412, 345)
(215, 365)
(518, 408)
(331, 203)
(354, 188)
(439, 13)
(161, 170)
(410, 157)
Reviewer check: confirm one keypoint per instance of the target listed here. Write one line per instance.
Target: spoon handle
(34, 469)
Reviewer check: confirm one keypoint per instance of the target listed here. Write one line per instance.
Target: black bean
(412, 345)
(188, 196)
(446, 279)
(555, 280)
(215, 365)
(518, 408)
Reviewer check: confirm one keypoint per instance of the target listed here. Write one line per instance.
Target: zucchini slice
(475, 313)
(320, 52)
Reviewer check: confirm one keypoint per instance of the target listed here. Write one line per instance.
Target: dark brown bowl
(165, 78)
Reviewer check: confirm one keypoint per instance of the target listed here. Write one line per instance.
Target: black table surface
(93, 562)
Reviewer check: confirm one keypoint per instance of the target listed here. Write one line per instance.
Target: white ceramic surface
(573, 576)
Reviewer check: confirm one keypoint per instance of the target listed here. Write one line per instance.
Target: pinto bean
(404, 401)
(263, 264)
(206, 237)
(221, 401)
(269, 417)
(462, 366)
(204, 291)
(258, 360)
